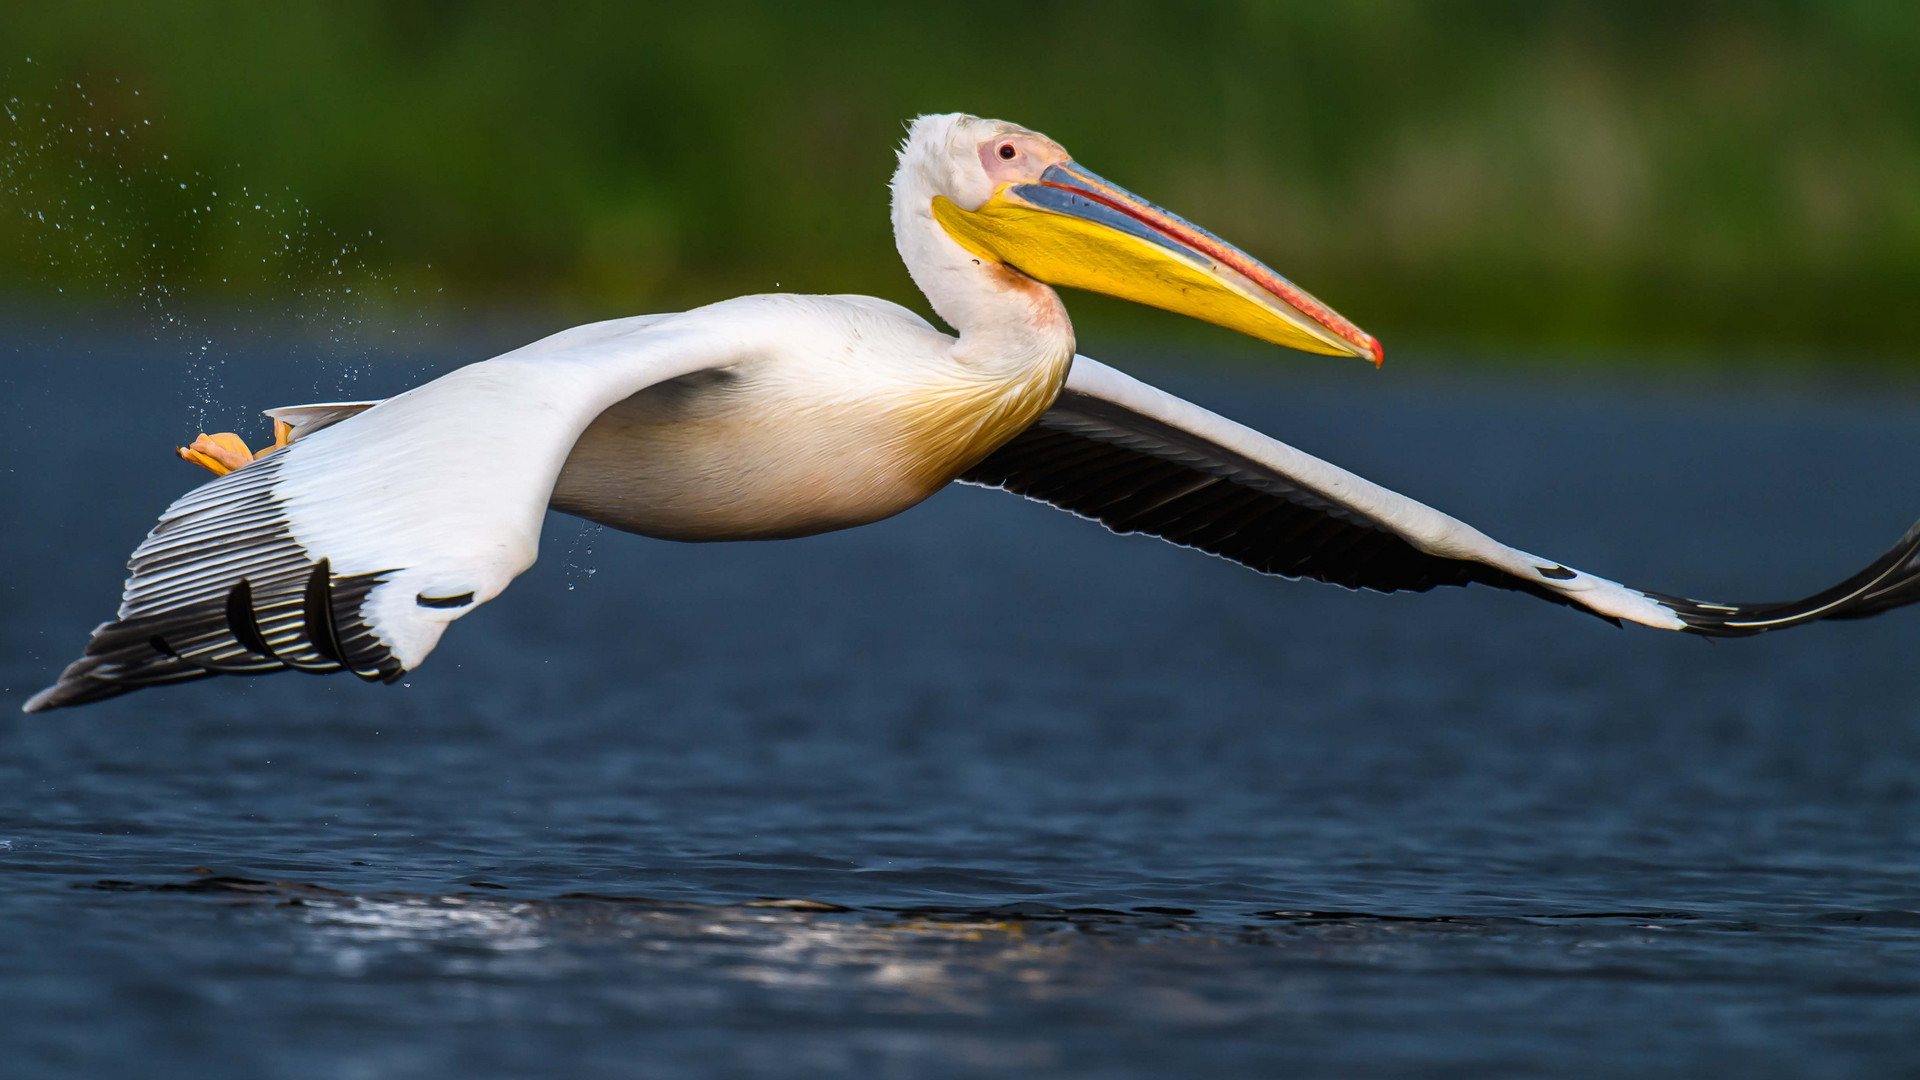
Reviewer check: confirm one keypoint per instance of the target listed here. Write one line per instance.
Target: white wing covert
(352, 548)
(304, 420)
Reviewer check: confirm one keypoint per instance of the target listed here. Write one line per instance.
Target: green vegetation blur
(1645, 177)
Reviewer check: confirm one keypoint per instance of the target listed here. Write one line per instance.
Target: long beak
(1073, 229)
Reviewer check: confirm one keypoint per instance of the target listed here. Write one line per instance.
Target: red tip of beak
(1379, 354)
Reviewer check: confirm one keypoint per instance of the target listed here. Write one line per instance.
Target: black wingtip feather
(220, 587)
(317, 609)
(1890, 581)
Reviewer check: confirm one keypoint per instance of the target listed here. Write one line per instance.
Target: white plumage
(354, 546)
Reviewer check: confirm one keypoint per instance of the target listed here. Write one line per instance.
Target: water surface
(987, 790)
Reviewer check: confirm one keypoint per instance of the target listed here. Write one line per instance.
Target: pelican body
(851, 410)
(369, 527)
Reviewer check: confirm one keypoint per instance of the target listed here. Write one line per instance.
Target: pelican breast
(858, 414)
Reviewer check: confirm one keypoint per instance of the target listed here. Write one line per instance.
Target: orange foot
(221, 454)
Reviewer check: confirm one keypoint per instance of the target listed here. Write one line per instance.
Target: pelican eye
(1007, 151)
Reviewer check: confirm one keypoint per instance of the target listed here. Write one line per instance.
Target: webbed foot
(222, 453)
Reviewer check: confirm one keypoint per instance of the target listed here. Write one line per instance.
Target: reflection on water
(914, 960)
(1167, 968)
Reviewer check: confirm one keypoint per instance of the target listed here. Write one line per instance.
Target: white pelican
(372, 525)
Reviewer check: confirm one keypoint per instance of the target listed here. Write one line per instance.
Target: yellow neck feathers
(953, 425)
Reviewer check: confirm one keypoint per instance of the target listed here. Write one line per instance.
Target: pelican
(369, 526)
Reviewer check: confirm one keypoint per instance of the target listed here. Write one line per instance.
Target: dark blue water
(984, 790)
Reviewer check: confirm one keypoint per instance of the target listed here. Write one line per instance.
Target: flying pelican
(369, 526)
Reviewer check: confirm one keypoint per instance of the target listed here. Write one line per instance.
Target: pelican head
(1017, 199)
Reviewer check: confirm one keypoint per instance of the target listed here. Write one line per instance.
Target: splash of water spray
(104, 212)
(579, 564)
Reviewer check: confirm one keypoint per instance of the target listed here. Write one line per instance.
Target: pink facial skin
(1031, 155)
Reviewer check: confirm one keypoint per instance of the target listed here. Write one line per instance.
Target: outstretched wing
(1138, 459)
(353, 547)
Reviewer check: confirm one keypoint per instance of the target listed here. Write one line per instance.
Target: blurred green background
(1653, 179)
